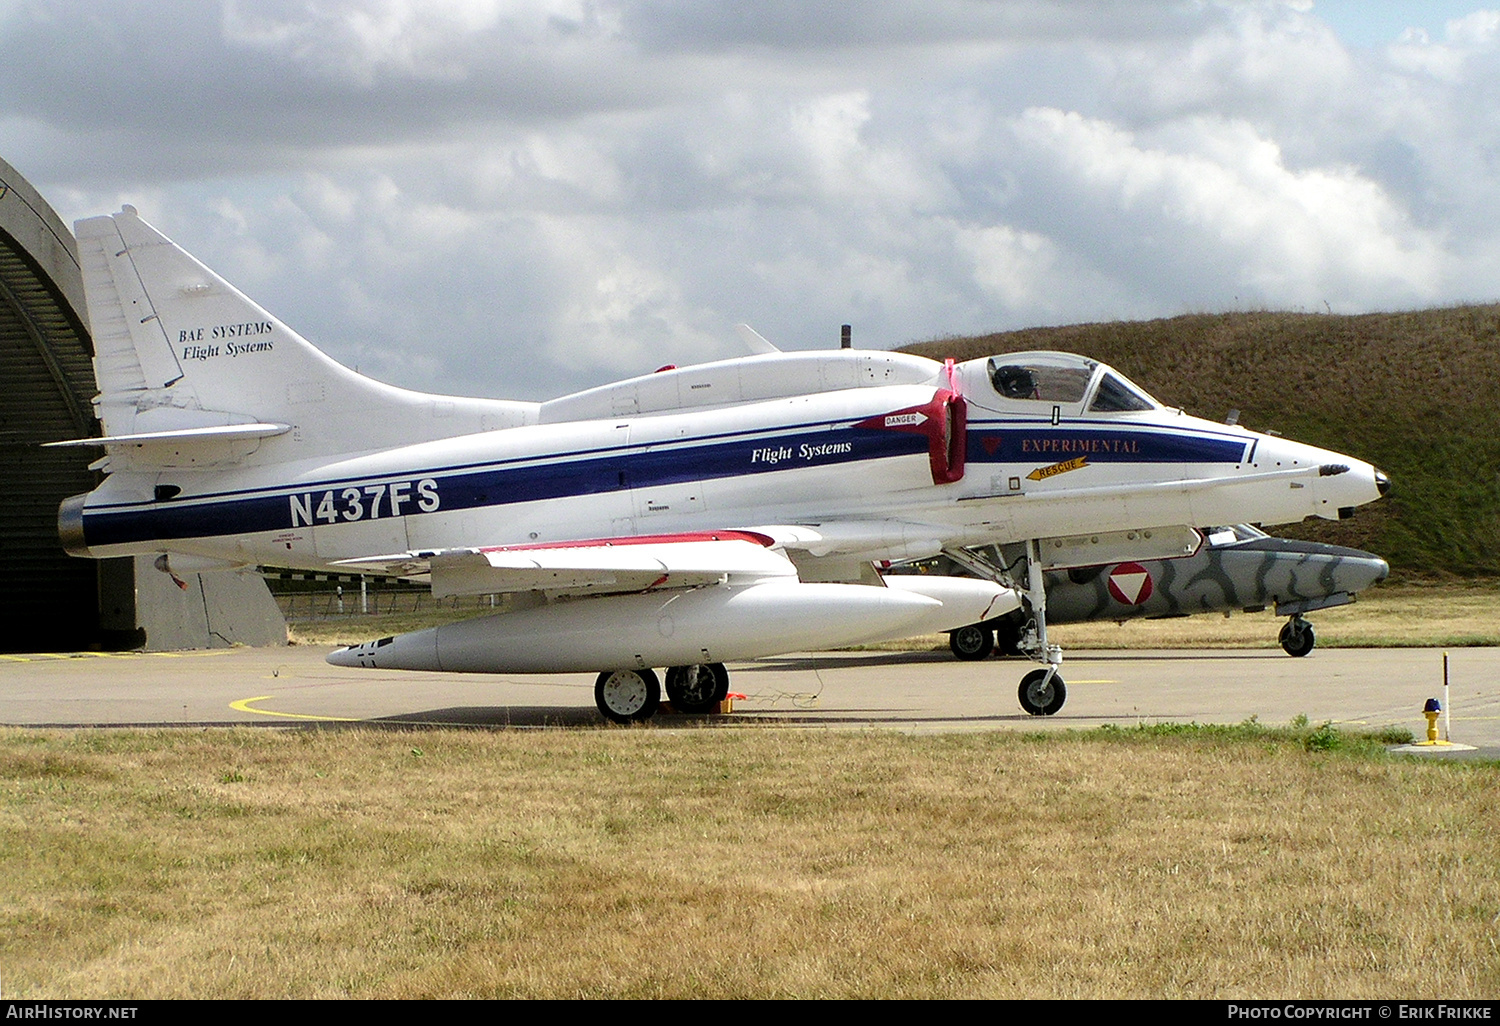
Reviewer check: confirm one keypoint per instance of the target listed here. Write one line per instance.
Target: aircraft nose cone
(1382, 482)
(1377, 568)
(1354, 570)
(343, 657)
(362, 655)
(414, 651)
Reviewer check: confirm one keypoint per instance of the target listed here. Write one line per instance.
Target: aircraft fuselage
(856, 455)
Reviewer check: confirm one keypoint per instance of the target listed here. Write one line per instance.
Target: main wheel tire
(697, 689)
(627, 696)
(1041, 699)
(972, 643)
(1297, 638)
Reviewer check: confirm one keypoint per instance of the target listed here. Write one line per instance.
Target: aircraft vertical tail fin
(177, 348)
(127, 333)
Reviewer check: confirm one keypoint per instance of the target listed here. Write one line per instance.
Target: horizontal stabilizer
(228, 432)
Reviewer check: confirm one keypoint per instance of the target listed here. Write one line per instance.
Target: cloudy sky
(524, 197)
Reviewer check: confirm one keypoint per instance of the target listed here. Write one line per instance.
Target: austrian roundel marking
(1130, 584)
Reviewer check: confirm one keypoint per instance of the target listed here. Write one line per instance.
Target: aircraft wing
(897, 540)
(876, 539)
(596, 566)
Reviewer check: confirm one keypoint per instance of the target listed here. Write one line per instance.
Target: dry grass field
(1172, 862)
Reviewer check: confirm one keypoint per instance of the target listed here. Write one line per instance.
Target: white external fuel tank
(701, 625)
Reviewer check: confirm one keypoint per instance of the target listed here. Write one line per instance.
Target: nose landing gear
(1297, 637)
(1042, 692)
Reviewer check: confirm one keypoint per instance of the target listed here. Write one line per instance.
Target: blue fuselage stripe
(615, 469)
(1044, 443)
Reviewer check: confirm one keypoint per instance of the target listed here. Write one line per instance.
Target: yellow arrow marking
(1042, 473)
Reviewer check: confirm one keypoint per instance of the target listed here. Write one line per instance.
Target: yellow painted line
(32, 657)
(243, 705)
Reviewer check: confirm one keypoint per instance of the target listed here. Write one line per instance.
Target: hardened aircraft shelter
(49, 600)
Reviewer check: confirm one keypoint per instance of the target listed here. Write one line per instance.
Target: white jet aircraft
(680, 519)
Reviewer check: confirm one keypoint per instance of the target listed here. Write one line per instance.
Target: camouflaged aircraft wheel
(1041, 699)
(1297, 637)
(627, 696)
(972, 643)
(697, 689)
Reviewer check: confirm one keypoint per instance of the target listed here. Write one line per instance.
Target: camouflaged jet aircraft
(1236, 568)
(681, 519)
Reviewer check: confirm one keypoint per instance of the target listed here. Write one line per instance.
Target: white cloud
(1476, 29)
(1013, 266)
(1257, 56)
(525, 196)
(433, 39)
(1463, 39)
(1224, 195)
(618, 314)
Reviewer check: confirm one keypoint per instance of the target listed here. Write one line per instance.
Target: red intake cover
(944, 421)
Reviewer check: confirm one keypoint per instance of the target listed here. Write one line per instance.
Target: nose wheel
(1297, 637)
(1041, 696)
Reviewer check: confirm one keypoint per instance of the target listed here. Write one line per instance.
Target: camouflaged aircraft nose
(1247, 575)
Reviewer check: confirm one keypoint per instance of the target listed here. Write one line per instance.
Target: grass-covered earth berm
(1417, 394)
(1173, 861)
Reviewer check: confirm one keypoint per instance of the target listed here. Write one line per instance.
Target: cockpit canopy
(1066, 379)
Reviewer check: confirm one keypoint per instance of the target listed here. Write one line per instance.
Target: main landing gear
(697, 689)
(972, 643)
(634, 696)
(627, 696)
(1042, 692)
(1297, 637)
(979, 641)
